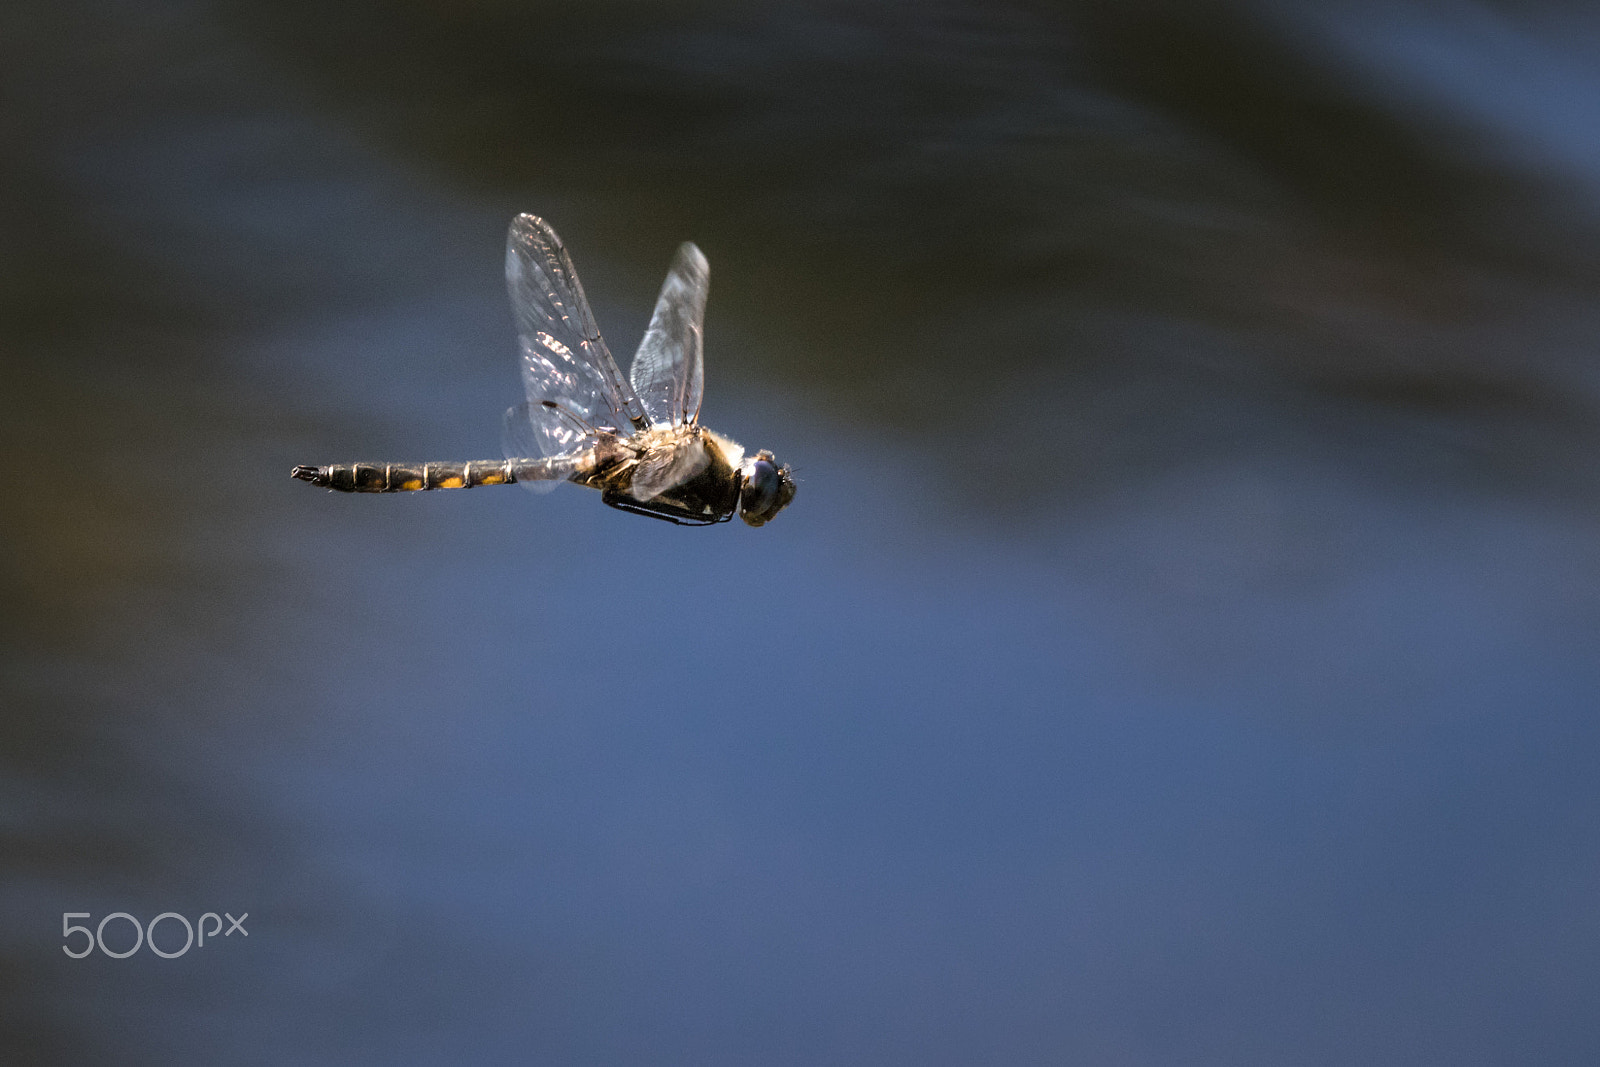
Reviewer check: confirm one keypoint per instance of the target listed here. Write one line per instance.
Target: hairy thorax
(688, 469)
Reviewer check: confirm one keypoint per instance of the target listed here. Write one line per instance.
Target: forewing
(668, 371)
(533, 430)
(564, 358)
(665, 467)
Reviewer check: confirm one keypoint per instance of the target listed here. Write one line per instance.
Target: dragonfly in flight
(636, 439)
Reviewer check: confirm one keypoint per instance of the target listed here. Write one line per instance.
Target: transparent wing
(564, 358)
(668, 371)
(665, 468)
(531, 431)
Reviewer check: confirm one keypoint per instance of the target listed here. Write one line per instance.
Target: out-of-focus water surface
(1182, 648)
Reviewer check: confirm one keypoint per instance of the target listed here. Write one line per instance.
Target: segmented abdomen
(412, 477)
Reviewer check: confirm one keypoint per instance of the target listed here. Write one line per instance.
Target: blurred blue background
(1182, 648)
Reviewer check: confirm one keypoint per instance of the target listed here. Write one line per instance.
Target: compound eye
(762, 487)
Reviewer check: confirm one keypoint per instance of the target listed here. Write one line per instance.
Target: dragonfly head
(765, 488)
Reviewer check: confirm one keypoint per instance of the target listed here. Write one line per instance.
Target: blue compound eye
(767, 489)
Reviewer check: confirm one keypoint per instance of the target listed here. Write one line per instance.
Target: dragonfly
(638, 440)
